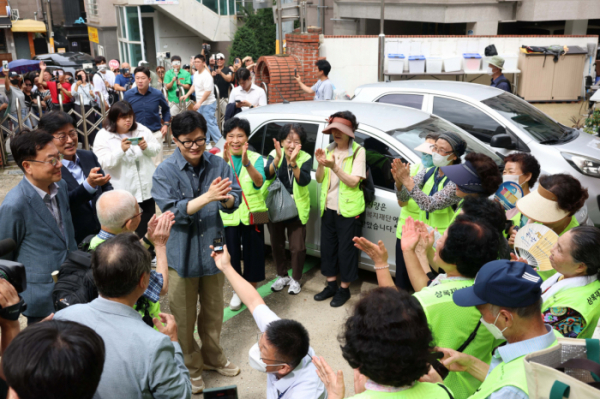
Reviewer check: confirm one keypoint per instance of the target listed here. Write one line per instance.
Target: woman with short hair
(524, 169)
(125, 149)
(388, 343)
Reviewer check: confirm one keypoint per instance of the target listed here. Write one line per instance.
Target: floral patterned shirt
(566, 321)
(440, 200)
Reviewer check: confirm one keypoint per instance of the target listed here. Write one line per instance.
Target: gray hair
(115, 207)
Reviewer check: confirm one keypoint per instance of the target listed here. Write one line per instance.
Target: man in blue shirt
(498, 79)
(148, 103)
(195, 185)
(124, 81)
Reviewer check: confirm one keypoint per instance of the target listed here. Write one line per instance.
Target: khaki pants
(158, 158)
(184, 295)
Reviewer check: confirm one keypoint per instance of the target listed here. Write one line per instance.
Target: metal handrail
(218, 109)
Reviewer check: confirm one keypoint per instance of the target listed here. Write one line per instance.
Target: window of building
(92, 8)
(130, 35)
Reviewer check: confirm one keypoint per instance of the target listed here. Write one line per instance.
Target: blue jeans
(208, 112)
(26, 122)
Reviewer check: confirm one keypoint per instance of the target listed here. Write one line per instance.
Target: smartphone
(295, 72)
(218, 246)
(238, 101)
(79, 77)
(228, 392)
(4, 64)
(135, 140)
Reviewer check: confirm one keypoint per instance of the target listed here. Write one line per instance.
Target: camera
(14, 273)
(218, 244)
(79, 77)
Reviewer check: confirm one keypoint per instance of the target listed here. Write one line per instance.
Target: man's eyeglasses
(63, 137)
(133, 217)
(440, 151)
(53, 161)
(190, 144)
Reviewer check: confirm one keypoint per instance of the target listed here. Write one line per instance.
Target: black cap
(459, 146)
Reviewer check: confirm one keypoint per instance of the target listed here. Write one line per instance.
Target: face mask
(124, 71)
(511, 178)
(102, 67)
(440, 160)
(14, 81)
(495, 331)
(427, 160)
(256, 362)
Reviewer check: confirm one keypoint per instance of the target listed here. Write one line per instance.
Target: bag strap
(243, 195)
(559, 390)
(448, 391)
(592, 347)
(470, 338)
(582, 364)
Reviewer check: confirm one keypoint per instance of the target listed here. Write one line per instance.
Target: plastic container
(510, 61)
(471, 62)
(452, 64)
(434, 64)
(395, 63)
(416, 64)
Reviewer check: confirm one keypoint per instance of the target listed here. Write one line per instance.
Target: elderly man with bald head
(118, 212)
(124, 81)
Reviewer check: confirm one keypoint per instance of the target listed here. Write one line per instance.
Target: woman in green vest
(389, 345)
(465, 247)
(240, 232)
(342, 166)
(293, 167)
(521, 168)
(430, 189)
(571, 296)
(410, 207)
(554, 204)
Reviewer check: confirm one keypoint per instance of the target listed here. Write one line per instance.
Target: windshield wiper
(550, 141)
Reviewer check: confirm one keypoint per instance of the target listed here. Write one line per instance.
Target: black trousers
(149, 209)
(253, 252)
(338, 253)
(402, 279)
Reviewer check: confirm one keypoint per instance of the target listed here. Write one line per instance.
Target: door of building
(22, 45)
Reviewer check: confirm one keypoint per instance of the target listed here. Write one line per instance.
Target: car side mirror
(503, 141)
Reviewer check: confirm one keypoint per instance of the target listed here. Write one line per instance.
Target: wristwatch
(248, 164)
(293, 166)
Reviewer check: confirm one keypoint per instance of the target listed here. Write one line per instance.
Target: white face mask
(495, 331)
(256, 362)
(511, 178)
(441, 160)
(102, 67)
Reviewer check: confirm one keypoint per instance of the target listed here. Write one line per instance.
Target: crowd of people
(456, 320)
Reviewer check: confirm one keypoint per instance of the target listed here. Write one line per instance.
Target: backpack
(503, 79)
(367, 185)
(75, 283)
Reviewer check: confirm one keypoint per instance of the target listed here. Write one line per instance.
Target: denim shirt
(188, 248)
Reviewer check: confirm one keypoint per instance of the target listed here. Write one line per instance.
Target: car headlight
(584, 165)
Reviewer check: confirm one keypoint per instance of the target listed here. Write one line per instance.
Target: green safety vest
(441, 218)
(545, 275)
(254, 196)
(457, 212)
(451, 326)
(154, 308)
(582, 300)
(301, 194)
(411, 208)
(506, 374)
(351, 201)
(421, 390)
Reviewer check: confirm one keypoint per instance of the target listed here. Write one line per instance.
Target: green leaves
(256, 37)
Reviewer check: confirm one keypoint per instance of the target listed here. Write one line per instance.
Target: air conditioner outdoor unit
(14, 14)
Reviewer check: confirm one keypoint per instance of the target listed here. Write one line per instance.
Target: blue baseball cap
(502, 283)
(465, 177)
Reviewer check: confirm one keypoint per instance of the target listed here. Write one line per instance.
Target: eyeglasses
(190, 144)
(290, 142)
(63, 137)
(440, 151)
(133, 217)
(281, 362)
(53, 161)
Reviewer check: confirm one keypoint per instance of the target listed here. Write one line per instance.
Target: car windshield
(528, 118)
(414, 135)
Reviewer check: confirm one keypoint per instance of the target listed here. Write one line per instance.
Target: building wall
(107, 15)
(28, 7)
(348, 71)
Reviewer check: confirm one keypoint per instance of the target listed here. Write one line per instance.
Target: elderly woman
(342, 166)
(554, 205)
(569, 296)
(524, 169)
(388, 344)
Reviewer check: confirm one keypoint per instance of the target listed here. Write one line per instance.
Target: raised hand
(222, 259)
(410, 235)
(278, 153)
(322, 158)
(162, 230)
(334, 382)
(165, 323)
(295, 153)
(219, 189)
(377, 252)
(96, 179)
(245, 159)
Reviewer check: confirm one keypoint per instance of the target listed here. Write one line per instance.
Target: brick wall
(277, 72)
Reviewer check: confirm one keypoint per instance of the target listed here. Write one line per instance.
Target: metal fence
(10, 124)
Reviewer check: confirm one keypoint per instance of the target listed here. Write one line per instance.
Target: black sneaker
(328, 292)
(340, 298)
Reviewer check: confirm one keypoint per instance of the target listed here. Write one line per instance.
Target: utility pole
(280, 26)
(380, 58)
(50, 32)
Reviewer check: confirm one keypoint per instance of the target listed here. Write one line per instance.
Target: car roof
(381, 116)
(68, 58)
(476, 91)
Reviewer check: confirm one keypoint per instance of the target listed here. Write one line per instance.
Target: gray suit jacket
(140, 361)
(41, 247)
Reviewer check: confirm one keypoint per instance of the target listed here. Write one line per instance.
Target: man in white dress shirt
(247, 95)
(282, 351)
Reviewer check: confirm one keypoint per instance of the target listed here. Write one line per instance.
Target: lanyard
(282, 393)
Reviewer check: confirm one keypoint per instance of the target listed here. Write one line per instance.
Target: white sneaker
(294, 287)
(280, 283)
(235, 303)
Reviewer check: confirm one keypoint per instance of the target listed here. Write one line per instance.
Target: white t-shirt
(303, 381)
(100, 86)
(255, 96)
(204, 82)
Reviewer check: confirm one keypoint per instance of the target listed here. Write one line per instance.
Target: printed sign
(508, 194)
(113, 64)
(93, 34)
